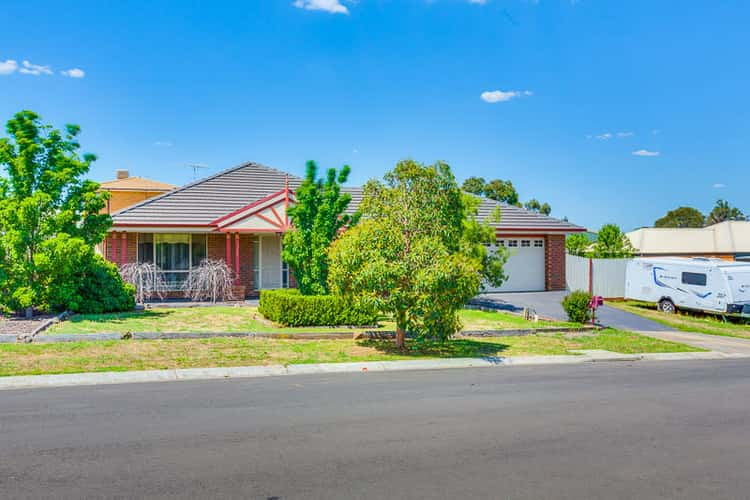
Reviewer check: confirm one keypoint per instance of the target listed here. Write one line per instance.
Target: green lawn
(227, 319)
(688, 321)
(74, 357)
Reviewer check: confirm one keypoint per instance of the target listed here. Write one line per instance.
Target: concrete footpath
(718, 343)
(101, 378)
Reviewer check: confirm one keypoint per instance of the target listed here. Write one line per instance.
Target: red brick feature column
(124, 249)
(236, 258)
(228, 258)
(554, 262)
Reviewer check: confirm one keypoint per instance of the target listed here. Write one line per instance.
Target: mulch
(20, 326)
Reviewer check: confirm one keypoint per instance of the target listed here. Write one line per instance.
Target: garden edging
(367, 335)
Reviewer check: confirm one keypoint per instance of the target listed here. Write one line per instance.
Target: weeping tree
(212, 280)
(147, 278)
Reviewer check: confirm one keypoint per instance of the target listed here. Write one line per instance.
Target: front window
(175, 254)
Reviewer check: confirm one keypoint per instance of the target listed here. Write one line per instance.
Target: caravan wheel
(667, 306)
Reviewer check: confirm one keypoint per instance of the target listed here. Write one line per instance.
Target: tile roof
(136, 184)
(204, 201)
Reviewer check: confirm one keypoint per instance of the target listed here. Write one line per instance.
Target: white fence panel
(576, 272)
(608, 279)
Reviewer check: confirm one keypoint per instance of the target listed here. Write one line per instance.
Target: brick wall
(554, 262)
(217, 250)
(113, 247)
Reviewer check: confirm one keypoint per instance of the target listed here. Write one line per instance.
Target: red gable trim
(237, 212)
(540, 230)
(149, 224)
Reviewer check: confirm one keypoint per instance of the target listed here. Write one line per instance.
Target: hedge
(288, 307)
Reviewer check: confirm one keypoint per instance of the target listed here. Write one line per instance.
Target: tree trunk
(400, 338)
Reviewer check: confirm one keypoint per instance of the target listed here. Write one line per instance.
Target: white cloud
(8, 66)
(719, 185)
(609, 135)
(34, 69)
(73, 73)
(646, 152)
(501, 96)
(163, 144)
(478, 2)
(332, 6)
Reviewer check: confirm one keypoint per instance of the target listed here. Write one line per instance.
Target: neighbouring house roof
(729, 237)
(136, 184)
(202, 202)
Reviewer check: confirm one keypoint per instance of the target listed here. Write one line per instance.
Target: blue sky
(610, 111)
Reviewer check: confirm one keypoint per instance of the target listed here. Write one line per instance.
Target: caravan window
(698, 279)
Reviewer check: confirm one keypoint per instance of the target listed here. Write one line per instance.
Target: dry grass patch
(73, 357)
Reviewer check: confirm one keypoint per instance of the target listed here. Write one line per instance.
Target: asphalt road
(609, 430)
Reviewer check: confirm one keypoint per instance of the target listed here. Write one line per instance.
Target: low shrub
(577, 306)
(288, 307)
(73, 278)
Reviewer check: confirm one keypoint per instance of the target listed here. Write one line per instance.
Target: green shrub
(288, 307)
(577, 306)
(73, 278)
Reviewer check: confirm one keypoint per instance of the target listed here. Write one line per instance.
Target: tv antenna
(196, 167)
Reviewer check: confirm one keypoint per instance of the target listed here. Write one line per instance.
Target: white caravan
(710, 285)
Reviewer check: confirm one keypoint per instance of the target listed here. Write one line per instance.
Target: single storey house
(239, 215)
(729, 240)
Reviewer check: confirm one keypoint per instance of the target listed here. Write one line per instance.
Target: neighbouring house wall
(123, 199)
(554, 261)
(727, 257)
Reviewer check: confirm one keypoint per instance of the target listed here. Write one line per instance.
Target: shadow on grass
(120, 317)
(456, 348)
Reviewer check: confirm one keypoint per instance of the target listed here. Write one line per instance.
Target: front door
(268, 268)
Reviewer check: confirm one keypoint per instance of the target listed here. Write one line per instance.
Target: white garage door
(525, 266)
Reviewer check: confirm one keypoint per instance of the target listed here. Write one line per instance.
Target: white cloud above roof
(73, 73)
(8, 66)
(28, 68)
(646, 152)
(331, 6)
(495, 96)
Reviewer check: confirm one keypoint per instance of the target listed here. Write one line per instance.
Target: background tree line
(503, 191)
(692, 217)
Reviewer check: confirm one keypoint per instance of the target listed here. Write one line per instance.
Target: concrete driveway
(549, 304)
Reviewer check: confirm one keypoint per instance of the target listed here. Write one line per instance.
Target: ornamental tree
(317, 218)
(723, 211)
(682, 217)
(612, 243)
(416, 252)
(43, 195)
(577, 244)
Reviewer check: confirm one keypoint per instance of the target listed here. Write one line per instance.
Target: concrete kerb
(77, 379)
